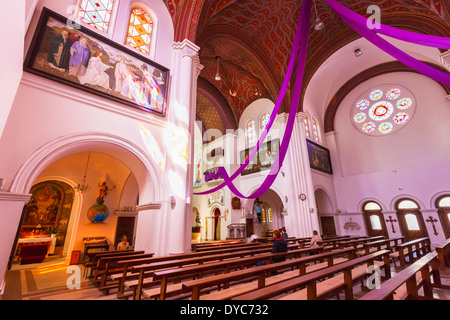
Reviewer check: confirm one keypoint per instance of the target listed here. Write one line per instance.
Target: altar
(237, 231)
(51, 240)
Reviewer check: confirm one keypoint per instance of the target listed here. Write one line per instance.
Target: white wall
(47, 121)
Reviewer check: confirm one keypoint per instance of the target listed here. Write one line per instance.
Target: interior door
(375, 224)
(412, 224)
(328, 226)
(125, 226)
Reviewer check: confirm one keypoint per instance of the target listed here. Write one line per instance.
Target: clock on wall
(302, 197)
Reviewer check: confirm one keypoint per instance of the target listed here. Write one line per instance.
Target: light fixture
(83, 187)
(319, 23)
(358, 52)
(218, 77)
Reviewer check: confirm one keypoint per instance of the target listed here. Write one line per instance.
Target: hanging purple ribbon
(360, 26)
(408, 36)
(301, 37)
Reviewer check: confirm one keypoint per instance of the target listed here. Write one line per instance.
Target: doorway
(125, 227)
(443, 206)
(374, 219)
(410, 220)
(217, 224)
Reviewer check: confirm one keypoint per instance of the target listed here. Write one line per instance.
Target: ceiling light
(83, 187)
(319, 23)
(358, 52)
(218, 77)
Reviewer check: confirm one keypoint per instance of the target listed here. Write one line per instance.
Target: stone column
(302, 212)
(180, 147)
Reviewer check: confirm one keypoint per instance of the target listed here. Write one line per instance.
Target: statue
(103, 192)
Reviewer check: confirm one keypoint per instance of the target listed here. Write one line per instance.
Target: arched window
(96, 13)
(315, 130)
(410, 219)
(251, 132)
(263, 123)
(307, 127)
(443, 206)
(374, 219)
(140, 30)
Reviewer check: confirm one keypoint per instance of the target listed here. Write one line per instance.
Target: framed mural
(319, 157)
(45, 205)
(263, 159)
(81, 58)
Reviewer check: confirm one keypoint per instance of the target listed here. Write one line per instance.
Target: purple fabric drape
(300, 40)
(358, 23)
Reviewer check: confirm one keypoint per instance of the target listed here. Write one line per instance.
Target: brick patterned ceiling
(254, 38)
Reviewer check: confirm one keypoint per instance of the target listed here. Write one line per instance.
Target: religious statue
(103, 191)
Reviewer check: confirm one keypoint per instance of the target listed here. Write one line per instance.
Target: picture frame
(263, 159)
(319, 157)
(68, 53)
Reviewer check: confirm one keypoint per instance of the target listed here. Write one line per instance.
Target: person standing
(284, 235)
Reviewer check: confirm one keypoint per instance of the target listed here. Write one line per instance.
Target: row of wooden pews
(419, 280)
(244, 271)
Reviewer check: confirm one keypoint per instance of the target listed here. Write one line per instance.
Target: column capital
(188, 47)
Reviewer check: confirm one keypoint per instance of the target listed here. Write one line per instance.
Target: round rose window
(383, 110)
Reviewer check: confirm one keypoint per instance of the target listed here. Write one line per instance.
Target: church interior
(154, 149)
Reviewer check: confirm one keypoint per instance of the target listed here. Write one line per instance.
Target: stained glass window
(251, 132)
(306, 128)
(96, 13)
(264, 121)
(140, 30)
(315, 128)
(383, 110)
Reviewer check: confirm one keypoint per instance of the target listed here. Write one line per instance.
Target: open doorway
(325, 212)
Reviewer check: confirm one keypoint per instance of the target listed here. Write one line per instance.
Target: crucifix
(430, 219)
(392, 223)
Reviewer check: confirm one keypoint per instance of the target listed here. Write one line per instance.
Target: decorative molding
(49, 86)
(13, 196)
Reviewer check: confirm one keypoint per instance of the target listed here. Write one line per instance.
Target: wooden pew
(390, 244)
(131, 279)
(357, 243)
(298, 265)
(228, 246)
(107, 266)
(424, 273)
(216, 243)
(339, 277)
(225, 266)
(333, 242)
(443, 251)
(95, 263)
(419, 247)
(144, 268)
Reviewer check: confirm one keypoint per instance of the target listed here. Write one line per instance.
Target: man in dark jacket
(279, 245)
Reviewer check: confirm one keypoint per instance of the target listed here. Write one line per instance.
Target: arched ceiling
(254, 39)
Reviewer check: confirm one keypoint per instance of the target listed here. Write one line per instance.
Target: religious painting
(76, 56)
(319, 157)
(45, 205)
(263, 159)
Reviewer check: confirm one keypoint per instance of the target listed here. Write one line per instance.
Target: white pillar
(11, 207)
(302, 213)
(180, 158)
